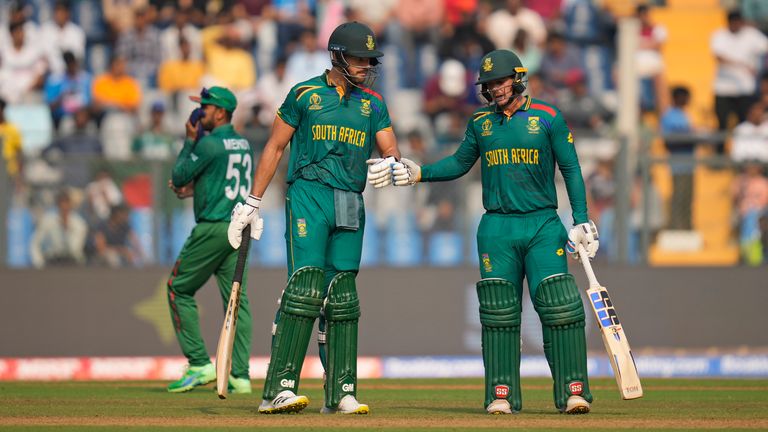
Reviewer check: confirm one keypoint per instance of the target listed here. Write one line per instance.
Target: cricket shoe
(576, 405)
(239, 385)
(498, 407)
(347, 405)
(285, 402)
(194, 376)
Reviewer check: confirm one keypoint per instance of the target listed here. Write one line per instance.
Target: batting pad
(562, 317)
(500, 312)
(299, 307)
(342, 313)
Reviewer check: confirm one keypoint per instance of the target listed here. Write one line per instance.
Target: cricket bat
(619, 353)
(227, 336)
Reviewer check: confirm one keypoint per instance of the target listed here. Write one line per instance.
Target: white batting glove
(242, 216)
(406, 173)
(586, 235)
(380, 171)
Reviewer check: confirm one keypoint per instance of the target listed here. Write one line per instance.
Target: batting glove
(584, 234)
(406, 173)
(380, 171)
(242, 216)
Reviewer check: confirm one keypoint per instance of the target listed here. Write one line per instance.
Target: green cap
(217, 96)
(355, 39)
(499, 64)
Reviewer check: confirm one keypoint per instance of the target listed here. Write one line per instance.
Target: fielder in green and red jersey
(333, 122)
(217, 170)
(519, 140)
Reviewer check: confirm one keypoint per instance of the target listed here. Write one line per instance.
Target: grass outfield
(396, 405)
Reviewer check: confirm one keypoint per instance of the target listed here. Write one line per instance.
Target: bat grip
(587, 266)
(242, 254)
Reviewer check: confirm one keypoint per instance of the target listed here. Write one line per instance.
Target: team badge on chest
(533, 125)
(365, 107)
(315, 100)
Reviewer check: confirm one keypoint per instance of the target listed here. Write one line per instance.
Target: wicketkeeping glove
(380, 171)
(243, 215)
(195, 116)
(406, 173)
(586, 235)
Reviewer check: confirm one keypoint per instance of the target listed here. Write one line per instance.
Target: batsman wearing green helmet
(519, 140)
(217, 170)
(332, 121)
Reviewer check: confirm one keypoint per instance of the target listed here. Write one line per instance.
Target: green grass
(396, 405)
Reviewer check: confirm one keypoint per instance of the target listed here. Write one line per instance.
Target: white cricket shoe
(285, 402)
(347, 405)
(498, 407)
(576, 405)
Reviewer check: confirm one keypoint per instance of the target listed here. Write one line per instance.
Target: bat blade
(616, 344)
(227, 335)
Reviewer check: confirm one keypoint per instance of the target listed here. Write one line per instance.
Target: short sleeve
(289, 111)
(381, 118)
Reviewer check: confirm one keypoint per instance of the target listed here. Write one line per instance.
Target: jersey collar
(523, 107)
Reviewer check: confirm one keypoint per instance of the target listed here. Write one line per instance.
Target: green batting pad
(500, 311)
(299, 307)
(561, 311)
(342, 312)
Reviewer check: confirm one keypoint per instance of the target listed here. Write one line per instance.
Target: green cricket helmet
(354, 39)
(500, 64)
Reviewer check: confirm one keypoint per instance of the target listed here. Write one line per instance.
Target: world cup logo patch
(315, 100)
(487, 125)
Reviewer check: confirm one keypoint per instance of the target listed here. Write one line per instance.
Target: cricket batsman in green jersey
(217, 169)
(333, 122)
(519, 140)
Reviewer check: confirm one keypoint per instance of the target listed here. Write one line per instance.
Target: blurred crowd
(87, 84)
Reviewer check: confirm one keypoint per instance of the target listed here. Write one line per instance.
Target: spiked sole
(294, 407)
(578, 410)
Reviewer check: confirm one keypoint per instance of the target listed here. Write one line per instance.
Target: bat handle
(587, 266)
(242, 255)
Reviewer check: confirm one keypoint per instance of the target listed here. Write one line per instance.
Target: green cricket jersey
(334, 134)
(221, 164)
(518, 156)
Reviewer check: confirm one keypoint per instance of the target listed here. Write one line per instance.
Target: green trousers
(513, 247)
(207, 252)
(312, 236)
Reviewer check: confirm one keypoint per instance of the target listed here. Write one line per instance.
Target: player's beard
(506, 99)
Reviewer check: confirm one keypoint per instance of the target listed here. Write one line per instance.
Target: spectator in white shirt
(308, 60)
(59, 238)
(750, 138)
(62, 35)
(23, 65)
(738, 50)
(503, 25)
(170, 38)
(102, 194)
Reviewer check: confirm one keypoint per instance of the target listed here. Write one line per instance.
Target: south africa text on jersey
(335, 133)
(512, 156)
